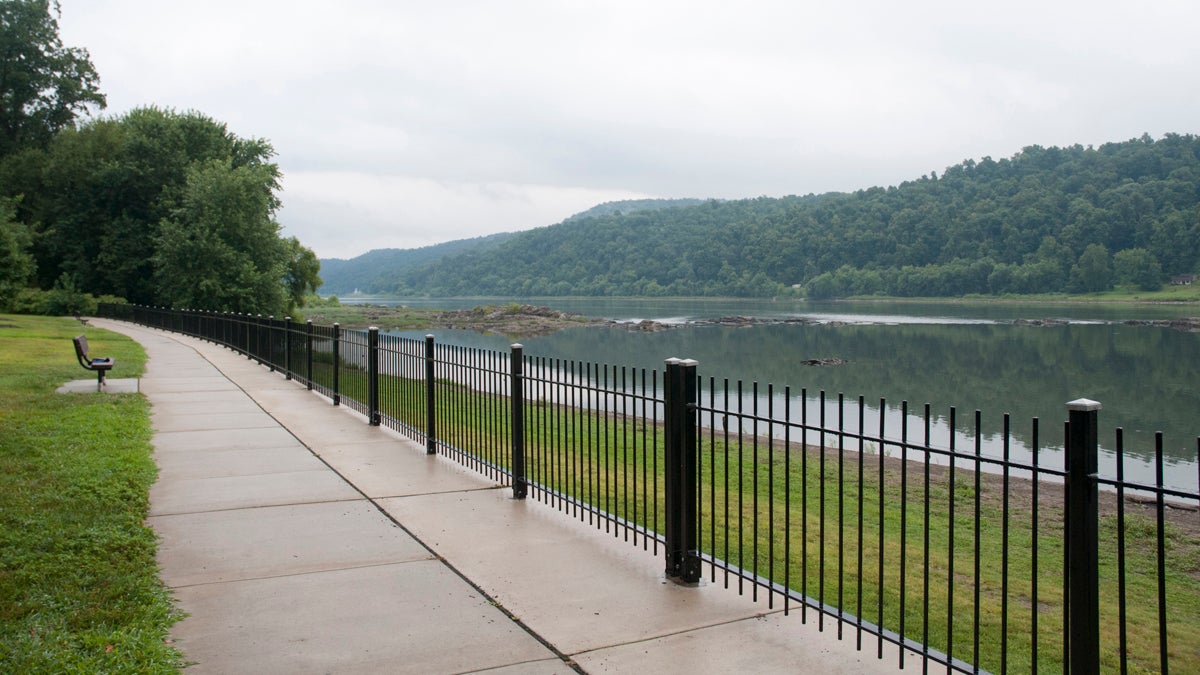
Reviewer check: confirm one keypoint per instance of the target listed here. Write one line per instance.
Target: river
(969, 355)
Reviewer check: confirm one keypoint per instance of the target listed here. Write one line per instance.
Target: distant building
(1183, 280)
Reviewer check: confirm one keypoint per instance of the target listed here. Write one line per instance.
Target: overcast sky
(403, 124)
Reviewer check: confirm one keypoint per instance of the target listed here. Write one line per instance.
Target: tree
(1092, 273)
(43, 85)
(71, 190)
(97, 196)
(16, 264)
(1138, 267)
(302, 274)
(221, 250)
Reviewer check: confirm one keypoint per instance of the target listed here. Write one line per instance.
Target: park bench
(101, 366)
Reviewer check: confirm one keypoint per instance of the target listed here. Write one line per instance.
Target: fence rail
(966, 561)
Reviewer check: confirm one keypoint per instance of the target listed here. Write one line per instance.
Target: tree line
(1047, 220)
(153, 206)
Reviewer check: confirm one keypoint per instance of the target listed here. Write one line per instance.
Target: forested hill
(375, 271)
(631, 205)
(1045, 220)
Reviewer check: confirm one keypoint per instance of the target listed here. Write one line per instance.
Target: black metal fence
(963, 559)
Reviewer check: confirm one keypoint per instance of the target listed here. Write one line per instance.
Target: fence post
(430, 417)
(1082, 545)
(337, 363)
(373, 375)
(271, 342)
(258, 331)
(682, 556)
(517, 392)
(308, 344)
(287, 347)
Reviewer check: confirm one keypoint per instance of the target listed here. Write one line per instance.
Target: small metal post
(430, 417)
(308, 347)
(517, 388)
(1083, 560)
(337, 363)
(682, 556)
(271, 342)
(373, 375)
(258, 331)
(287, 347)
(244, 324)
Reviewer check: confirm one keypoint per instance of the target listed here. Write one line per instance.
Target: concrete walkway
(299, 539)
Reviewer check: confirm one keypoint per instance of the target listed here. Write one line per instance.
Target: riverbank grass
(79, 587)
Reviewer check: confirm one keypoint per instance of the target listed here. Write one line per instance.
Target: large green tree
(44, 86)
(1092, 273)
(154, 206)
(161, 208)
(220, 249)
(16, 263)
(301, 273)
(1139, 268)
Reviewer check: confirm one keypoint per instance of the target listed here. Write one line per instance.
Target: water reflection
(1144, 376)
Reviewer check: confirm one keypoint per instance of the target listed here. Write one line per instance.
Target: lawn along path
(300, 539)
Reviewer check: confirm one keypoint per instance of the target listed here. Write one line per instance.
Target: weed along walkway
(297, 538)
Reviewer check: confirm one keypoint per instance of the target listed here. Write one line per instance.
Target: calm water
(966, 355)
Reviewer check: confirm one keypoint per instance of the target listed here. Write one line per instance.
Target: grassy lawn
(79, 587)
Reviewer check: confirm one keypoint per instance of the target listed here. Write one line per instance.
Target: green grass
(79, 586)
(610, 461)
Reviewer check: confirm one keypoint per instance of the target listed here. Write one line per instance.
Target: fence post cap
(674, 361)
(516, 345)
(1083, 405)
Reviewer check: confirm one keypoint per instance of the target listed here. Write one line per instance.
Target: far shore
(527, 320)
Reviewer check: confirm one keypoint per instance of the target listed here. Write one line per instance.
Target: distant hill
(631, 205)
(375, 270)
(1071, 219)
